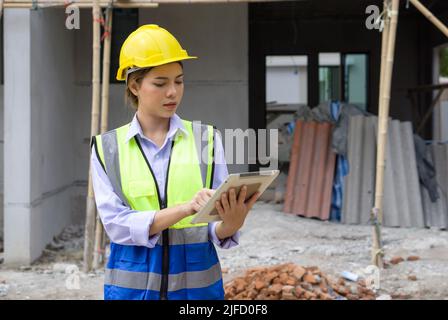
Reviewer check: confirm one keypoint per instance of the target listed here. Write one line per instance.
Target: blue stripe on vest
(183, 258)
(212, 292)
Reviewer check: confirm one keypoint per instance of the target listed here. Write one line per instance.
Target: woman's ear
(133, 86)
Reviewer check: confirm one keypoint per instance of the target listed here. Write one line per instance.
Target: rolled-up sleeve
(220, 174)
(122, 224)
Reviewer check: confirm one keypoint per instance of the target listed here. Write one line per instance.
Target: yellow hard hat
(149, 46)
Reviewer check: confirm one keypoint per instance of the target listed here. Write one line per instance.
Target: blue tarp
(337, 195)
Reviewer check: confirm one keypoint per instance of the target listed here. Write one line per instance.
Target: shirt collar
(176, 127)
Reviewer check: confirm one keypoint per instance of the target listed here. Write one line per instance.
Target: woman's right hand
(200, 199)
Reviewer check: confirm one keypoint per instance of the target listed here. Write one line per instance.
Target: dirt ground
(268, 237)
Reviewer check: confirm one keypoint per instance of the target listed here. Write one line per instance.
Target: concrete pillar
(39, 117)
(17, 129)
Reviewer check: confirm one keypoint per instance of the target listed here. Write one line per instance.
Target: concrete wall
(39, 131)
(1, 163)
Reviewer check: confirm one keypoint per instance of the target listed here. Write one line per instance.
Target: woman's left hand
(232, 210)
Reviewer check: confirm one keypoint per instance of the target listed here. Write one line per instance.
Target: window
(287, 79)
(343, 76)
(329, 76)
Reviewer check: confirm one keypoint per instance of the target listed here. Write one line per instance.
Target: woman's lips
(170, 105)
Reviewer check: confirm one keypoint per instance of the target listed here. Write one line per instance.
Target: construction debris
(293, 282)
(4, 289)
(396, 260)
(350, 276)
(413, 258)
(412, 277)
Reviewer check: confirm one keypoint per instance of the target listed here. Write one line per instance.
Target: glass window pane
(329, 76)
(356, 79)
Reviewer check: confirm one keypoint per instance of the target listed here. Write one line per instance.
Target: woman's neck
(153, 126)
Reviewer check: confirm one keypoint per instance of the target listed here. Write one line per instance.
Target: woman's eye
(162, 84)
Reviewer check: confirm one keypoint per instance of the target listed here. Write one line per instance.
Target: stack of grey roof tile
(402, 204)
(436, 213)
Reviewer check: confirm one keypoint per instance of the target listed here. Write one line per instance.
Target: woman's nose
(171, 91)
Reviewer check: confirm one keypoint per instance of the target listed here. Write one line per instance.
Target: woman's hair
(137, 76)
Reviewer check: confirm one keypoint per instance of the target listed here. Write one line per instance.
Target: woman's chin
(169, 111)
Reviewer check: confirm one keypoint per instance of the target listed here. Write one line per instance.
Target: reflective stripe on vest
(194, 269)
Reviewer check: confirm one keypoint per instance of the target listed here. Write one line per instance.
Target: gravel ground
(268, 237)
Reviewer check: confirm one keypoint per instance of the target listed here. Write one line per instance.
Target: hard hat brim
(121, 73)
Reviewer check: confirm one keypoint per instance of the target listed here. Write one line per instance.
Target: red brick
(240, 285)
(310, 278)
(259, 284)
(283, 277)
(325, 296)
(299, 291)
(288, 296)
(413, 258)
(361, 282)
(288, 293)
(252, 294)
(341, 290)
(288, 289)
(298, 272)
(396, 260)
(270, 276)
(308, 295)
(275, 289)
(291, 281)
(306, 286)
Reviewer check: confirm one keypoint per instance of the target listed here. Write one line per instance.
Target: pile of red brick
(293, 282)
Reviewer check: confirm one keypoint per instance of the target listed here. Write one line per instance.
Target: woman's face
(160, 91)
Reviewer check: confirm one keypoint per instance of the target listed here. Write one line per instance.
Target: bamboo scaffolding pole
(98, 254)
(439, 25)
(86, 5)
(377, 247)
(118, 4)
(377, 252)
(90, 206)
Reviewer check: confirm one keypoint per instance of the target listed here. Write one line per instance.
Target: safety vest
(184, 263)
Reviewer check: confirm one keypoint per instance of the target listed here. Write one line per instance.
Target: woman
(152, 175)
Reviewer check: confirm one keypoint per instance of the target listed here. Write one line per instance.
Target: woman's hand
(233, 211)
(200, 199)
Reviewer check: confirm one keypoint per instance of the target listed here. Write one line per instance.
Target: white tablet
(255, 181)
